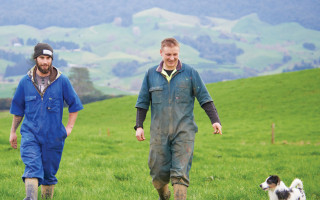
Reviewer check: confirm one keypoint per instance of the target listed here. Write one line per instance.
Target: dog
(277, 190)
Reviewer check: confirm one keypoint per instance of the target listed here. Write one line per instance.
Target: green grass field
(103, 160)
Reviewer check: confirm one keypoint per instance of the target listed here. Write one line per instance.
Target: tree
(80, 79)
(309, 46)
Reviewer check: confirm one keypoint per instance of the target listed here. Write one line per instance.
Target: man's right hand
(13, 140)
(140, 134)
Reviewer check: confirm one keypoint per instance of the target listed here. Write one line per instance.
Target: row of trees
(125, 69)
(22, 64)
(80, 79)
(54, 44)
(221, 53)
(304, 65)
(86, 13)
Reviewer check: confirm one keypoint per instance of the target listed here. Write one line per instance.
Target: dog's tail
(296, 183)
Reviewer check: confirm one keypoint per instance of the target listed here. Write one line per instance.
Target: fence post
(272, 133)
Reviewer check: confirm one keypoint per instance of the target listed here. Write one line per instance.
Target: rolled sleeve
(18, 101)
(199, 89)
(144, 95)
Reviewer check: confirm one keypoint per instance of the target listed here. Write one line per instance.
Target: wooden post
(272, 133)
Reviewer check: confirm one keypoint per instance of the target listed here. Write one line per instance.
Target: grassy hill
(103, 160)
(264, 47)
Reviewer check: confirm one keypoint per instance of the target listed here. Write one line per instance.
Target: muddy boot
(47, 191)
(31, 188)
(180, 192)
(164, 193)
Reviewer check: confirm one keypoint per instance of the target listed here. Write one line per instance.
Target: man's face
(44, 63)
(170, 56)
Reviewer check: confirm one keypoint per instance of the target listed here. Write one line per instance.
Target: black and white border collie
(277, 190)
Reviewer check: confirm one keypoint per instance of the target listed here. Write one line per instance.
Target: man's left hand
(217, 128)
(68, 129)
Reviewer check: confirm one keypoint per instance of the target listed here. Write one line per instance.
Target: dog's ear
(277, 179)
(273, 179)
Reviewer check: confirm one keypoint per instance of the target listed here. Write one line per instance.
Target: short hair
(169, 42)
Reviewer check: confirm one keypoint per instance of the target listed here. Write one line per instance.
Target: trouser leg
(159, 165)
(182, 153)
(171, 158)
(51, 157)
(31, 185)
(31, 156)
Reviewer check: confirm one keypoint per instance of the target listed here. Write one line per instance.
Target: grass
(103, 160)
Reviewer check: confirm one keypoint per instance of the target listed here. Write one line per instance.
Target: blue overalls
(42, 131)
(172, 121)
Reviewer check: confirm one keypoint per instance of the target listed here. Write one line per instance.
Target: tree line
(218, 52)
(87, 13)
(23, 63)
(82, 84)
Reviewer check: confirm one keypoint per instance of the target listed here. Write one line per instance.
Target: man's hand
(71, 121)
(13, 136)
(68, 129)
(13, 140)
(217, 128)
(140, 134)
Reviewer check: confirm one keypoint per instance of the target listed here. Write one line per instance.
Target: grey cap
(43, 49)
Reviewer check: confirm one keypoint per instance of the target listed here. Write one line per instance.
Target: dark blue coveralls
(42, 131)
(172, 121)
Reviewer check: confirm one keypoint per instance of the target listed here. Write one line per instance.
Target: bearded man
(39, 98)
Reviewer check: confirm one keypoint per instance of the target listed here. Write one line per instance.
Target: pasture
(103, 160)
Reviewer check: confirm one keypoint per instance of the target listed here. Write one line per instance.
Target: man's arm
(213, 115)
(71, 121)
(141, 116)
(13, 135)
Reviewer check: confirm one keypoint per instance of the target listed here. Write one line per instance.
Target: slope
(103, 160)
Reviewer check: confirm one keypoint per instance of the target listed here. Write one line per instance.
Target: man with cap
(39, 99)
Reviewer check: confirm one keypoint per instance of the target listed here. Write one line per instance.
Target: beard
(44, 69)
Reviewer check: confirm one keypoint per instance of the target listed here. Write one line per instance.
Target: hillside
(103, 160)
(247, 108)
(117, 56)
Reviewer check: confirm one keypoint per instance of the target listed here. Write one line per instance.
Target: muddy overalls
(42, 131)
(172, 121)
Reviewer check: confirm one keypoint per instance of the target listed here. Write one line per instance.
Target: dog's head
(270, 183)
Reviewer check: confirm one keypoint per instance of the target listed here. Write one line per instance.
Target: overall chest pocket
(156, 94)
(30, 104)
(53, 105)
(182, 94)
